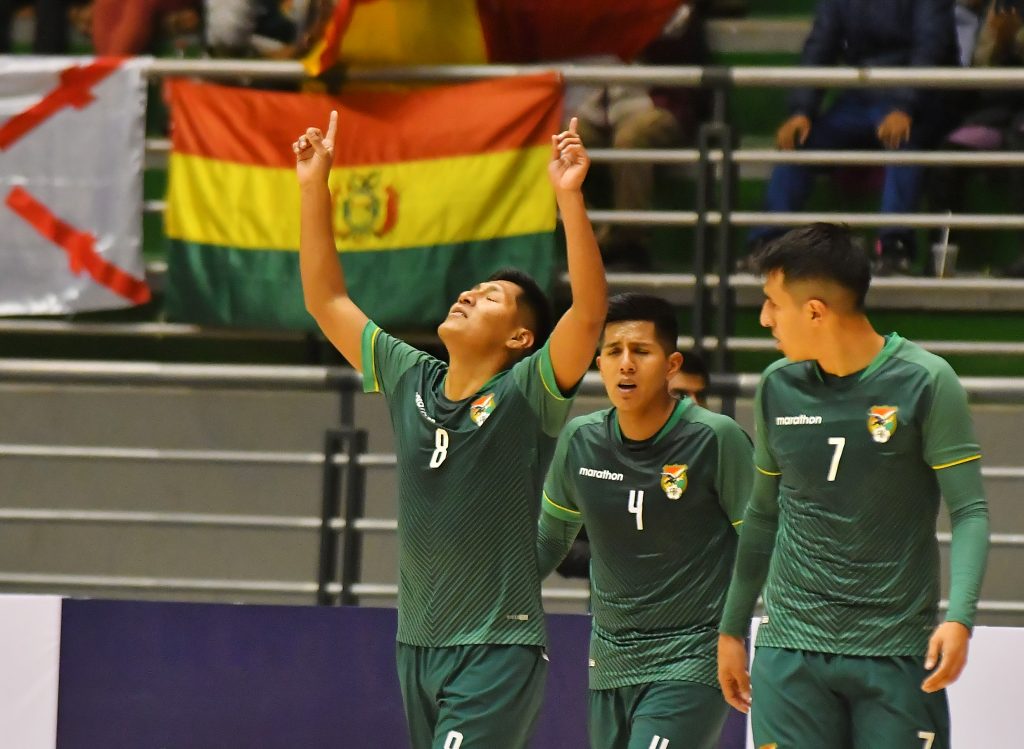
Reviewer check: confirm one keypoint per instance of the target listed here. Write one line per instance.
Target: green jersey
(662, 517)
(855, 569)
(469, 474)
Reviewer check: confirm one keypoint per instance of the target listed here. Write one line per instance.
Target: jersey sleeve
(948, 431)
(964, 494)
(764, 461)
(735, 476)
(555, 538)
(385, 359)
(535, 378)
(753, 556)
(559, 497)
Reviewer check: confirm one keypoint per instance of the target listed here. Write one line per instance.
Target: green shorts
(805, 700)
(471, 696)
(660, 715)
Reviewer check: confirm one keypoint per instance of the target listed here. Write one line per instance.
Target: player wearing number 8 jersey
(473, 439)
(661, 485)
(858, 436)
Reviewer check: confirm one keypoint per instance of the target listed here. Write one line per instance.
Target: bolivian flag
(433, 190)
(422, 32)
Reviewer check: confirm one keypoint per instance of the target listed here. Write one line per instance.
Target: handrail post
(726, 315)
(355, 508)
(330, 509)
(702, 204)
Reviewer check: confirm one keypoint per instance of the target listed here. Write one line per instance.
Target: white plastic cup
(944, 259)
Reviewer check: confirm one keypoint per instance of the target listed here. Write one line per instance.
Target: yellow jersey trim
(555, 504)
(373, 359)
(957, 462)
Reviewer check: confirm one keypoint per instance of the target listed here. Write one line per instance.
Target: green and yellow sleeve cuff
(371, 383)
(551, 507)
(957, 462)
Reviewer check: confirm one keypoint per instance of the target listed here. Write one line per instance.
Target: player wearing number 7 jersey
(660, 485)
(473, 439)
(858, 435)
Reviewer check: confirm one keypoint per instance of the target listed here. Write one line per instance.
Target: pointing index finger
(332, 127)
(572, 124)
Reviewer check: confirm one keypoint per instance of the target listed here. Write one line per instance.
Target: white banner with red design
(72, 140)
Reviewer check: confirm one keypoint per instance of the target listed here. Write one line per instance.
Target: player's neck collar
(892, 342)
(681, 407)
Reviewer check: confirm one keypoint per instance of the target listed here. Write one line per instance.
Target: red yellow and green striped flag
(433, 190)
(377, 32)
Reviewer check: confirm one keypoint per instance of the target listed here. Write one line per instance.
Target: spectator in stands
(244, 28)
(692, 378)
(120, 28)
(51, 24)
(871, 33)
(233, 28)
(996, 117)
(631, 117)
(968, 22)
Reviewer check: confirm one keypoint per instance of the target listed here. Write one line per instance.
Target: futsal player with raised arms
(660, 484)
(858, 437)
(473, 439)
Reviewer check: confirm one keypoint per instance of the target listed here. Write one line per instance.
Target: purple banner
(192, 676)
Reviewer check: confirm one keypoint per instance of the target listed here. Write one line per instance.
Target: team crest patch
(481, 408)
(674, 481)
(768, 746)
(882, 423)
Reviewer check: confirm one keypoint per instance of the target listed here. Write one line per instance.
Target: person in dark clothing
(691, 380)
(994, 119)
(869, 33)
(51, 25)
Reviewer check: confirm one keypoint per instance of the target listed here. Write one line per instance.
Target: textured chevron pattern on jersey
(856, 563)
(468, 501)
(661, 560)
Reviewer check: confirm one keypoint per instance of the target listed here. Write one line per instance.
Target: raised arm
(323, 281)
(574, 339)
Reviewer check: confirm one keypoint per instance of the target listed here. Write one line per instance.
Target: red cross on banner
(71, 154)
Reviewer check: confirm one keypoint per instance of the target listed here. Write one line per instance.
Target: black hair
(631, 306)
(534, 299)
(819, 252)
(694, 364)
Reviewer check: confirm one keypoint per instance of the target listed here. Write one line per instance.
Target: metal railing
(344, 459)
(344, 462)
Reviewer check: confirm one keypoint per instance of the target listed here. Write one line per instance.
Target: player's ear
(520, 340)
(816, 309)
(675, 361)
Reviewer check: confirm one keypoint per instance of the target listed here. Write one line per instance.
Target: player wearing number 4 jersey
(660, 485)
(858, 435)
(473, 439)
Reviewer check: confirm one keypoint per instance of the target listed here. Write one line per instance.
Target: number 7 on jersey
(839, 443)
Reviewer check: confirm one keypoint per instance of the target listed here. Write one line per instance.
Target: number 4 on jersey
(636, 506)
